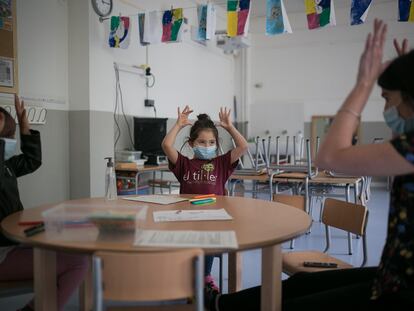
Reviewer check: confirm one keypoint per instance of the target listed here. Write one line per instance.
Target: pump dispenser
(110, 180)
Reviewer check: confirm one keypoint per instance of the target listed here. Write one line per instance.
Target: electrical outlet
(149, 103)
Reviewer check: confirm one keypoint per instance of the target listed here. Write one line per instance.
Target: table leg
(348, 199)
(271, 293)
(45, 287)
(85, 291)
(235, 272)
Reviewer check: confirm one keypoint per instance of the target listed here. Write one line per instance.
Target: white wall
(42, 41)
(186, 73)
(317, 68)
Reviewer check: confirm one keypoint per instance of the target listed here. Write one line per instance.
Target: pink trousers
(71, 270)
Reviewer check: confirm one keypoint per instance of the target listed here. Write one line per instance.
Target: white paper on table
(158, 199)
(153, 27)
(191, 215)
(203, 239)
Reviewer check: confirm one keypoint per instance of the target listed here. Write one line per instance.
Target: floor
(376, 230)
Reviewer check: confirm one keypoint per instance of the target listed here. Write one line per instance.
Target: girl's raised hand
(370, 64)
(224, 116)
(21, 116)
(182, 119)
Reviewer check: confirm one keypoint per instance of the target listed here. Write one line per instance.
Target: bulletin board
(8, 47)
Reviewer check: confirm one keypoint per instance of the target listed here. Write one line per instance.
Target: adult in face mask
(16, 262)
(399, 97)
(390, 285)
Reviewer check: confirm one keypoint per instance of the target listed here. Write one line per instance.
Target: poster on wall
(6, 72)
(6, 15)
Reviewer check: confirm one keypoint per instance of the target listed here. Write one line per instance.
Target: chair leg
(221, 272)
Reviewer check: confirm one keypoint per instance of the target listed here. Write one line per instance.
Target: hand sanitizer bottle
(110, 181)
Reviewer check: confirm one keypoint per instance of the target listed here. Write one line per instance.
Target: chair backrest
(344, 215)
(152, 276)
(297, 201)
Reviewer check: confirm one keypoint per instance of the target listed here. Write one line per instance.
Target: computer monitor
(148, 135)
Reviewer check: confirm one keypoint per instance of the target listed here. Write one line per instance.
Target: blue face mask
(9, 147)
(205, 153)
(394, 121)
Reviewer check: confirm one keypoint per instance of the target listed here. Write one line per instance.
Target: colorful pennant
(202, 22)
(206, 22)
(119, 34)
(152, 27)
(237, 17)
(171, 25)
(406, 11)
(320, 13)
(277, 21)
(141, 25)
(359, 11)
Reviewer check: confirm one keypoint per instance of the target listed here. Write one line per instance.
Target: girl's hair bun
(203, 117)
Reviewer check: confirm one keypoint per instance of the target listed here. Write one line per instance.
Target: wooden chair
(297, 201)
(15, 288)
(142, 279)
(347, 216)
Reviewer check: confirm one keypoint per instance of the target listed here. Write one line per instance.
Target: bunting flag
(320, 13)
(277, 21)
(152, 27)
(211, 21)
(119, 34)
(141, 25)
(202, 22)
(237, 17)
(359, 11)
(406, 11)
(171, 25)
(206, 22)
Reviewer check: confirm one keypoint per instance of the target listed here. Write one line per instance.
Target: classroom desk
(139, 170)
(257, 223)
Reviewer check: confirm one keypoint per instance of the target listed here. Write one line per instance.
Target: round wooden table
(257, 224)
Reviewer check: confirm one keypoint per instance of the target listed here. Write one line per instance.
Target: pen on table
(34, 230)
(204, 196)
(193, 201)
(30, 223)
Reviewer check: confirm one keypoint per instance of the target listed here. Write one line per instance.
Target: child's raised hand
(182, 119)
(21, 116)
(224, 116)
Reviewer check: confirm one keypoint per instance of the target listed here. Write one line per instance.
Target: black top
(10, 170)
(396, 270)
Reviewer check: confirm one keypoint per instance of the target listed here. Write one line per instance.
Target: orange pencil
(204, 196)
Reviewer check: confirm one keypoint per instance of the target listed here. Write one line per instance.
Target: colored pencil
(204, 196)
